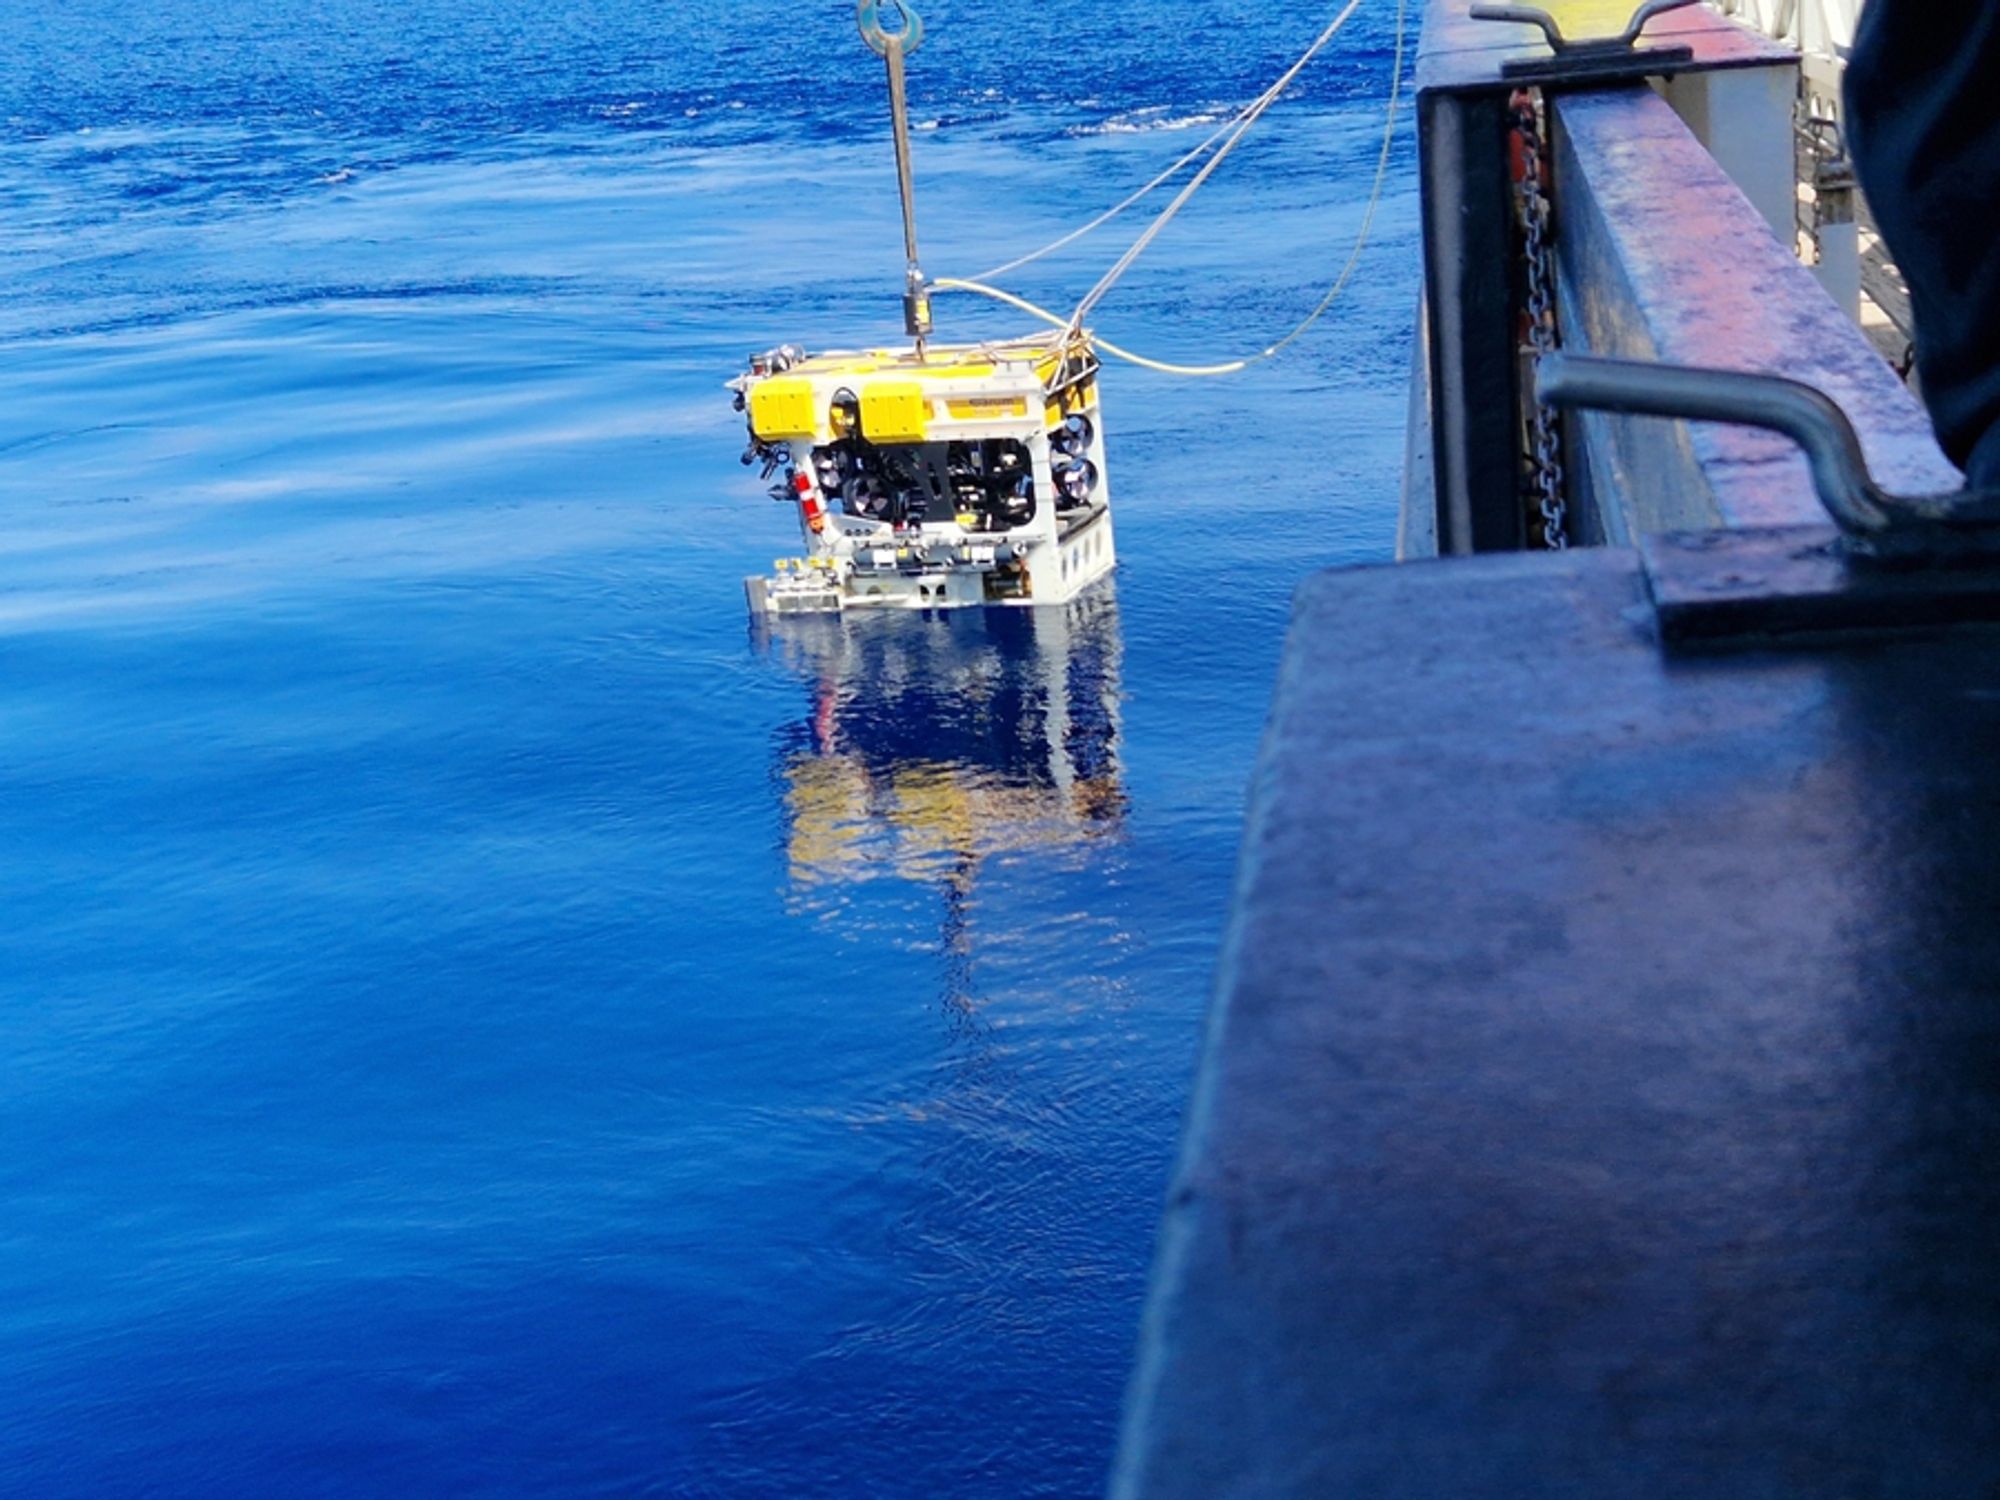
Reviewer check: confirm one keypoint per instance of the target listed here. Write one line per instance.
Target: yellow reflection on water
(936, 743)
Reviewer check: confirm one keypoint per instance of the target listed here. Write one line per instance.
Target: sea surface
(478, 1018)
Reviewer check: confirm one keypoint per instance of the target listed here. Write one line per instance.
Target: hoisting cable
(1374, 195)
(893, 47)
(1173, 171)
(1110, 213)
(1179, 166)
(978, 285)
(1055, 320)
(1249, 118)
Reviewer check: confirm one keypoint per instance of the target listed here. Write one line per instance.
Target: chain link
(1805, 168)
(1531, 203)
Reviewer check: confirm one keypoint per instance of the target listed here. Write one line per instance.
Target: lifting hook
(893, 47)
(882, 41)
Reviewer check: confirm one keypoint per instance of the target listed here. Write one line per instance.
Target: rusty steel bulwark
(1602, 1089)
(1468, 238)
(1603, 1079)
(1467, 69)
(1661, 257)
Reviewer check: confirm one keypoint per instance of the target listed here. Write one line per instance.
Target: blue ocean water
(479, 1018)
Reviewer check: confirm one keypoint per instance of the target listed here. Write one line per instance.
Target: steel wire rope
(1110, 213)
(1367, 225)
(1056, 320)
(1173, 171)
(1181, 199)
(1072, 324)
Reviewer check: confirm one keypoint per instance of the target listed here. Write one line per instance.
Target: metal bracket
(1760, 586)
(1889, 561)
(1584, 56)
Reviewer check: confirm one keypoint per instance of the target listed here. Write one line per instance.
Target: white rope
(954, 284)
(1374, 193)
(1231, 367)
(1111, 213)
(1261, 102)
(1235, 137)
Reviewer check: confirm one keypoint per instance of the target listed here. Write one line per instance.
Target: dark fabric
(1923, 116)
(1985, 465)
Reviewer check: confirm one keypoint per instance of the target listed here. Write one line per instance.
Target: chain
(1531, 202)
(1805, 168)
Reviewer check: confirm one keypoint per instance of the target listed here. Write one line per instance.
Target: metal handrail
(1873, 518)
(1529, 15)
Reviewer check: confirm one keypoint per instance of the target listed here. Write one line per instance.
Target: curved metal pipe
(1529, 15)
(1807, 416)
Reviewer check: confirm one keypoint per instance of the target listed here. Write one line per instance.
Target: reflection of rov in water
(934, 744)
(937, 479)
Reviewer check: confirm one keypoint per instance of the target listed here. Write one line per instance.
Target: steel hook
(882, 41)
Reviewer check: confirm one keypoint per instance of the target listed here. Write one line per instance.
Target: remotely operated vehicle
(934, 477)
(930, 477)
(967, 474)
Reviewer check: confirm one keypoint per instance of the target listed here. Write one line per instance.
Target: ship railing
(1837, 232)
(1672, 191)
(1605, 914)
